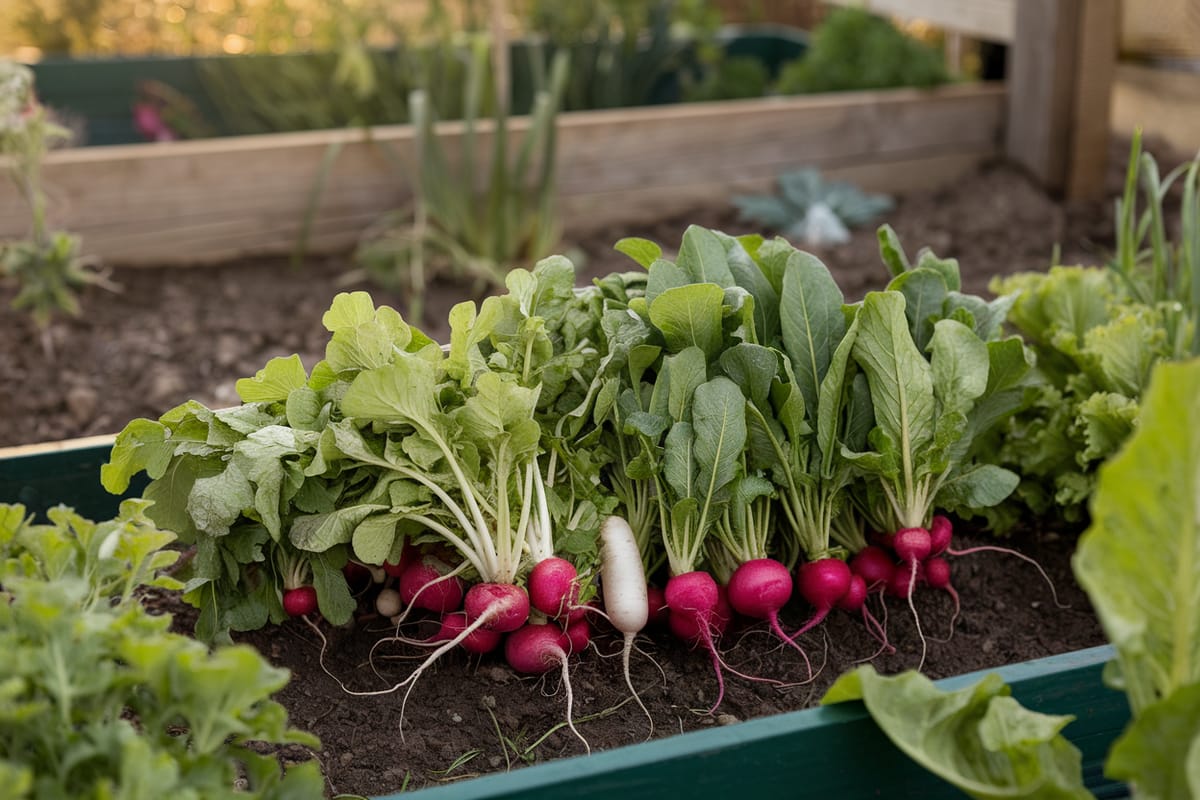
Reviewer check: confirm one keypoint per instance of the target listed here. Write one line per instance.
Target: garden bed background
(994, 220)
(165, 339)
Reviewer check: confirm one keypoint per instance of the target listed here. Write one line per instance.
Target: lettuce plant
(854, 49)
(1098, 333)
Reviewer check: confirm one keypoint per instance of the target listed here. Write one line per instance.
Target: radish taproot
(943, 540)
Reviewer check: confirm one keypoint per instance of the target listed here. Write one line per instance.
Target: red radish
(657, 609)
(900, 584)
(576, 636)
(426, 584)
(387, 602)
(501, 607)
(856, 594)
(758, 589)
(822, 583)
(478, 641)
(626, 595)
(937, 575)
(535, 649)
(874, 565)
(299, 601)
(358, 576)
(940, 533)
(913, 545)
(693, 598)
(395, 570)
(553, 587)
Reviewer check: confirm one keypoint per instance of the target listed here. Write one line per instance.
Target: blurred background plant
(810, 209)
(624, 52)
(457, 222)
(46, 267)
(853, 49)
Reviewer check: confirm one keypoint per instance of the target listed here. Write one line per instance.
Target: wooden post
(1063, 61)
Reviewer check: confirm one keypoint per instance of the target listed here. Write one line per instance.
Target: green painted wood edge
(815, 753)
(70, 476)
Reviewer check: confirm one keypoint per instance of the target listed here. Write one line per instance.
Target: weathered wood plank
(1161, 28)
(1162, 102)
(1060, 82)
(210, 200)
(990, 20)
(1095, 71)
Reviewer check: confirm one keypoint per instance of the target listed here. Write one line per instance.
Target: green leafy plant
(621, 51)
(853, 49)
(349, 84)
(100, 700)
(812, 210)
(46, 267)
(730, 78)
(1140, 565)
(1098, 333)
(455, 224)
(388, 439)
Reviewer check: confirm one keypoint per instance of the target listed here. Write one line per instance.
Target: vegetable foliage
(1097, 334)
(1140, 565)
(100, 700)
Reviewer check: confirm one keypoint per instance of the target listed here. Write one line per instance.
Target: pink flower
(150, 124)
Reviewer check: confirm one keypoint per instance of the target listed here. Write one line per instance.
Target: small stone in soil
(727, 719)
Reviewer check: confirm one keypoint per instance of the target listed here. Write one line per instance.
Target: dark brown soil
(174, 334)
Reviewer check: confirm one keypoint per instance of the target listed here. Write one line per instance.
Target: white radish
(623, 583)
(387, 603)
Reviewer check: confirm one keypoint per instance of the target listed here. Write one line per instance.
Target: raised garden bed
(454, 721)
(994, 221)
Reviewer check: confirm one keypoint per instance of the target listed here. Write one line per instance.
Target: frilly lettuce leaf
(979, 738)
(1140, 559)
